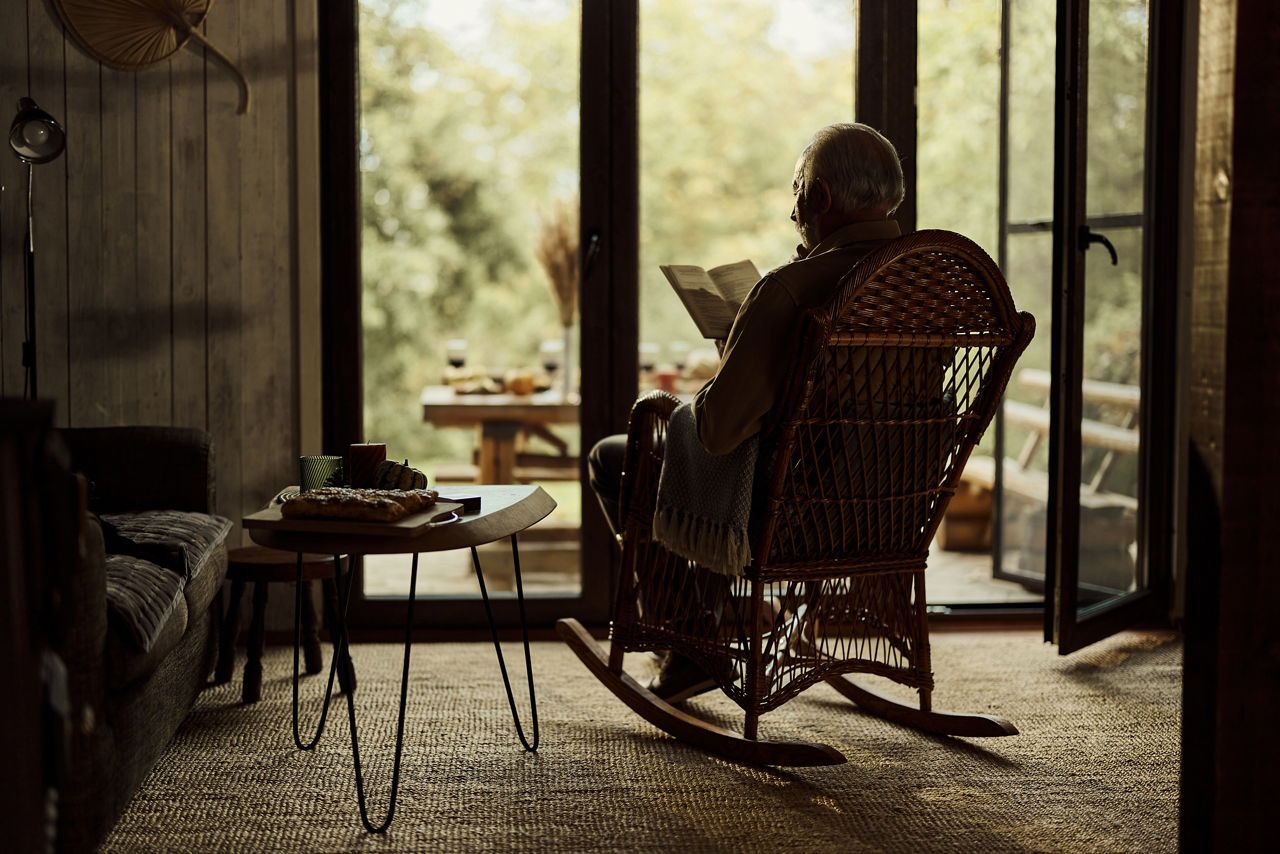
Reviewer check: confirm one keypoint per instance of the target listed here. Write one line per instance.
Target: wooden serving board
(440, 513)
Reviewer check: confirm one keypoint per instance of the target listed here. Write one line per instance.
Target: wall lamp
(35, 137)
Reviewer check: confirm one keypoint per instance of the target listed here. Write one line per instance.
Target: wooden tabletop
(504, 510)
(444, 407)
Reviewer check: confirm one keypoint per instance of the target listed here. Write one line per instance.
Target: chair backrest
(901, 372)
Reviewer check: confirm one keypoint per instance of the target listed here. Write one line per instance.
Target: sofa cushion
(201, 590)
(194, 535)
(141, 597)
(127, 665)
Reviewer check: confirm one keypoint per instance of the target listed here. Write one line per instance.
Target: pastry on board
(360, 505)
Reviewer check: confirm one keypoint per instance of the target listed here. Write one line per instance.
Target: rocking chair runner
(899, 376)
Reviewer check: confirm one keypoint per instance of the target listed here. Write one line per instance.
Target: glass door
(1099, 573)
(1083, 514)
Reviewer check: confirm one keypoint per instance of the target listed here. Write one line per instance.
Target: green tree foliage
(727, 103)
(457, 151)
(958, 113)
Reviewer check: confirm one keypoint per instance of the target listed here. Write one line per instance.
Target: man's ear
(819, 200)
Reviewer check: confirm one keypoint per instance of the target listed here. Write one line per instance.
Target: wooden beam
(1232, 663)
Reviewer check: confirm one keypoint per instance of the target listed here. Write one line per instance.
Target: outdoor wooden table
(505, 511)
(499, 419)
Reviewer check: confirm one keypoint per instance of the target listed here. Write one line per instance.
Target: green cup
(315, 472)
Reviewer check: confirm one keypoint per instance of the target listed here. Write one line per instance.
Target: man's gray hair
(860, 166)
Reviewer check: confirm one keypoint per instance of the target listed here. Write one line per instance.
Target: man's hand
(719, 342)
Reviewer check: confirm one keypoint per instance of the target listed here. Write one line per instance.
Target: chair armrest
(144, 468)
(646, 434)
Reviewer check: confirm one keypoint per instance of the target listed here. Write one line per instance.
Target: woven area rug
(1095, 767)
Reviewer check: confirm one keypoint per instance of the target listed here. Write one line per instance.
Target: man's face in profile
(801, 215)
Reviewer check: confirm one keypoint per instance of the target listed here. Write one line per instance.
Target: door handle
(590, 249)
(1088, 237)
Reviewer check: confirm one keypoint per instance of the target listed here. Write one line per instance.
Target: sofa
(139, 621)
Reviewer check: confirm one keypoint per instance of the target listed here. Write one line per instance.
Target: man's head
(848, 173)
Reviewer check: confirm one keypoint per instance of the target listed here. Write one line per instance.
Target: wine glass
(551, 355)
(456, 352)
(551, 352)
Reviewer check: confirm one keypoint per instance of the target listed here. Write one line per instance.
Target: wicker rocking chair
(900, 374)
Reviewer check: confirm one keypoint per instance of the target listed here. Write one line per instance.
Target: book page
(734, 281)
(701, 297)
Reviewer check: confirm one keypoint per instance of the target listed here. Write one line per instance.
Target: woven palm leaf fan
(134, 34)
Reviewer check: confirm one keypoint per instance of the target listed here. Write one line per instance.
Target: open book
(712, 297)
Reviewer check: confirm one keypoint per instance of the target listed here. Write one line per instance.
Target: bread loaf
(362, 505)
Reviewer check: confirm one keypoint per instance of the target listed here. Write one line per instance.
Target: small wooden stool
(262, 566)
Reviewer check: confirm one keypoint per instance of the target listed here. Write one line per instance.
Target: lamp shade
(35, 136)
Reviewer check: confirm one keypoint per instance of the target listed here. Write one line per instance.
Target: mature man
(847, 183)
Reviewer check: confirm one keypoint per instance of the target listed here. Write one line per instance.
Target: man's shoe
(679, 679)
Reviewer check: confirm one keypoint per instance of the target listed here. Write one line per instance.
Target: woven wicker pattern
(902, 372)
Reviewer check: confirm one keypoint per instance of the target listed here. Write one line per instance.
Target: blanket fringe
(709, 543)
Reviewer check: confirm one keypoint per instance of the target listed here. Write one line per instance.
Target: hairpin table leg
(524, 630)
(339, 652)
(351, 714)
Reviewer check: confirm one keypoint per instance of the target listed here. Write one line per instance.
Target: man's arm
(753, 367)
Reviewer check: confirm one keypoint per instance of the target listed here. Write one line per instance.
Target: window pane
(958, 116)
(1028, 266)
(958, 177)
(730, 92)
(1113, 299)
(469, 162)
(1025, 494)
(1032, 35)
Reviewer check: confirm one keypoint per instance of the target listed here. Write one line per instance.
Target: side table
(505, 511)
(261, 566)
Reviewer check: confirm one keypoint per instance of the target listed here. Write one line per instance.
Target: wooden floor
(549, 568)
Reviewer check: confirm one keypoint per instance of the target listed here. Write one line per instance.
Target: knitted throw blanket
(704, 501)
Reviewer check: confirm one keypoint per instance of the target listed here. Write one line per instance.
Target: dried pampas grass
(557, 251)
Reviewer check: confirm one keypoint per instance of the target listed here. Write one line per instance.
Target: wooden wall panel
(46, 71)
(1212, 252)
(1206, 381)
(189, 193)
(153, 306)
(267, 281)
(306, 166)
(223, 151)
(87, 404)
(120, 245)
(13, 188)
(167, 238)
